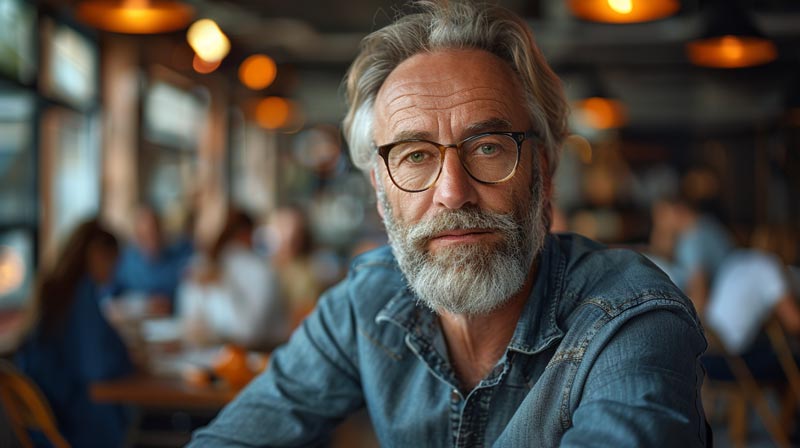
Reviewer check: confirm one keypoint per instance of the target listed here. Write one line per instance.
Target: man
(476, 327)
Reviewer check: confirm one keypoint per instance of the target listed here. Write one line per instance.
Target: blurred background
(196, 106)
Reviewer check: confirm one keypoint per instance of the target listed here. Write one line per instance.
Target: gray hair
(454, 25)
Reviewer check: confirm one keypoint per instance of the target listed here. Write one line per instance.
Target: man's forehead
(447, 72)
(440, 94)
(472, 85)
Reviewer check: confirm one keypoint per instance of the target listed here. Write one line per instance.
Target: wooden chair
(780, 345)
(26, 407)
(746, 390)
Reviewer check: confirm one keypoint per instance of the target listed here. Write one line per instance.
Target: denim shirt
(605, 353)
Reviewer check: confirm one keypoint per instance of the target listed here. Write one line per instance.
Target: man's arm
(643, 388)
(311, 384)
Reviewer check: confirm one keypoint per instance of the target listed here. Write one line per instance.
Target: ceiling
(329, 31)
(644, 64)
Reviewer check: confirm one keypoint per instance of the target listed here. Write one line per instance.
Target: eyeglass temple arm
(530, 134)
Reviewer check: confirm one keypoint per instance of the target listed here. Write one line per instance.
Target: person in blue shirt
(700, 245)
(149, 269)
(73, 345)
(476, 326)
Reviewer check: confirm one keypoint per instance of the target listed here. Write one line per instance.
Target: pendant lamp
(623, 11)
(597, 108)
(731, 39)
(602, 112)
(135, 16)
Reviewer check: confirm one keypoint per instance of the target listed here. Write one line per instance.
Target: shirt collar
(405, 311)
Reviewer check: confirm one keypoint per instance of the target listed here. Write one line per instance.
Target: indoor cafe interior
(179, 128)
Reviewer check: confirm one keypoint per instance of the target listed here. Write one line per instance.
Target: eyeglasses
(491, 157)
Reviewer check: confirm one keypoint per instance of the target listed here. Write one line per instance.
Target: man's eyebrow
(411, 135)
(492, 124)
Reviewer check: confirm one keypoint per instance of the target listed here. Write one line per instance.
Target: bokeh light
(208, 40)
(273, 112)
(602, 113)
(12, 270)
(204, 67)
(258, 71)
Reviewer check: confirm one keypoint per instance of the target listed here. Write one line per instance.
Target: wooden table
(150, 391)
(160, 398)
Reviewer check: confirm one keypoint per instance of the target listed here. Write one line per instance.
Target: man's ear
(374, 181)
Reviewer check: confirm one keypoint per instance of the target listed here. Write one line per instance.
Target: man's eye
(416, 157)
(487, 150)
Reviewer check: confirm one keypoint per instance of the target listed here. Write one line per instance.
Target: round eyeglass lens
(490, 158)
(414, 165)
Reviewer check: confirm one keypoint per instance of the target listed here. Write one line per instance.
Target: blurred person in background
(149, 269)
(476, 326)
(72, 345)
(752, 286)
(291, 249)
(232, 293)
(689, 245)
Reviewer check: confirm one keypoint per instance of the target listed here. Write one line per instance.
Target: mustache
(461, 219)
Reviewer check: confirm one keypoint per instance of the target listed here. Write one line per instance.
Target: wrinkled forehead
(445, 66)
(449, 81)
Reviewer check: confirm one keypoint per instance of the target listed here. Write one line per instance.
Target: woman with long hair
(71, 344)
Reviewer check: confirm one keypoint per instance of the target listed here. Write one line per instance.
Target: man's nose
(455, 188)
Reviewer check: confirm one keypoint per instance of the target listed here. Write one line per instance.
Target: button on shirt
(605, 353)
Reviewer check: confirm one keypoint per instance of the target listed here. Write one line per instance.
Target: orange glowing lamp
(730, 40)
(623, 11)
(135, 16)
(731, 51)
(602, 113)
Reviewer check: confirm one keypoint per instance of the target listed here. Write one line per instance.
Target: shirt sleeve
(311, 384)
(643, 387)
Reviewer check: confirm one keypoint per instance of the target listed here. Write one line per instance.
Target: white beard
(468, 279)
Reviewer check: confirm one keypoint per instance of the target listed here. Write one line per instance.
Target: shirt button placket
(455, 414)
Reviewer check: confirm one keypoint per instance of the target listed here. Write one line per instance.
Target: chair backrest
(780, 344)
(750, 387)
(26, 407)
